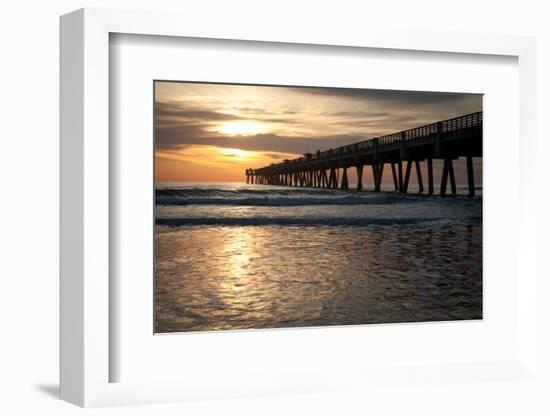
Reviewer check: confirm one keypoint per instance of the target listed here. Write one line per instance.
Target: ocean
(235, 256)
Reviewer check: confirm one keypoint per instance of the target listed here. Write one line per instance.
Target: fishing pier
(447, 140)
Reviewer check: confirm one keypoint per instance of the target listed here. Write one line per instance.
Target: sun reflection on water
(211, 278)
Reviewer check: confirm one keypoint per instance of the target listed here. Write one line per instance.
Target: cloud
(176, 112)
(173, 138)
(348, 116)
(181, 111)
(359, 114)
(417, 98)
(277, 156)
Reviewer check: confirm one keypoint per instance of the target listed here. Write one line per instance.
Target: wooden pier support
(430, 176)
(452, 177)
(470, 169)
(407, 176)
(444, 175)
(345, 186)
(332, 182)
(377, 171)
(394, 174)
(359, 168)
(380, 173)
(419, 177)
(400, 175)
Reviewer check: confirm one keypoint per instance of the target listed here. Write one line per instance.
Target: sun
(242, 128)
(238, 153)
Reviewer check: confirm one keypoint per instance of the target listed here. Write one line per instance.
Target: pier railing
(410, 135)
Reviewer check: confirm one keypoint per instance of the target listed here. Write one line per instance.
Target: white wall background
(29, 198)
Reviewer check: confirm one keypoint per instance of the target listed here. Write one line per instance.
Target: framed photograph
(315, 234)
(247, 214)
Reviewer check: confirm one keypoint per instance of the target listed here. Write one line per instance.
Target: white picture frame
(85, 216)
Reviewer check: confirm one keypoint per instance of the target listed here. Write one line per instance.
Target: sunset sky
(213, 132)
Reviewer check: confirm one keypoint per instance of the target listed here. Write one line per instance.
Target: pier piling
(444, 174)
(345, 186)
(419, 177)
(470, 169)
(430, 176)
(452, 177)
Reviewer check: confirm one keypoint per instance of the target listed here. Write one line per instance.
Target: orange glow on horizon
(201, 163)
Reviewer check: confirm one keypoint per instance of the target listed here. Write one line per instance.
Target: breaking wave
(272, 197)
(290, 221)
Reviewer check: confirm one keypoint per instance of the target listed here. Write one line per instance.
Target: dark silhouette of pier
(447, 140)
